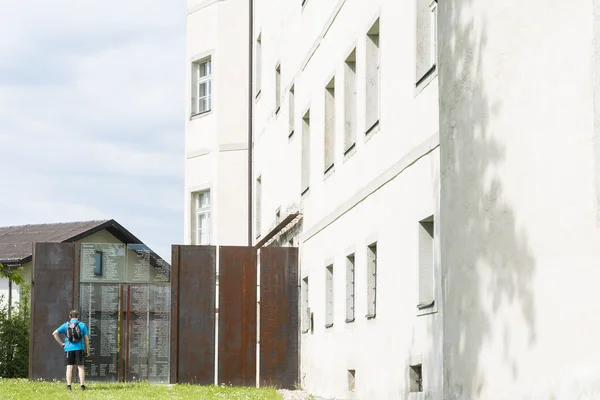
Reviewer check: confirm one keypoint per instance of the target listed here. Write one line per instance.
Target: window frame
(198, 81)
(202, 211)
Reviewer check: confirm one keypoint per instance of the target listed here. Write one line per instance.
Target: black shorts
(74, 357)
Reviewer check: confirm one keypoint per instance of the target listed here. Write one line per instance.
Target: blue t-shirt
(74, 346)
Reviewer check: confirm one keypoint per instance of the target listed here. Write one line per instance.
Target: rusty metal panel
(237, 315)
(279, 320)
(193, 307)
(51, 301)
(174, 347)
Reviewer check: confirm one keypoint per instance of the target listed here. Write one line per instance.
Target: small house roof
(16, 242)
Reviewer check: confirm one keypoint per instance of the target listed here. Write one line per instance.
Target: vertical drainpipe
(250, 115)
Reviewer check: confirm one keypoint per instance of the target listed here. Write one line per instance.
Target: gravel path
(298, 395)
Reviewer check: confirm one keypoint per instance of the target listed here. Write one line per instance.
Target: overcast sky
(91, 114)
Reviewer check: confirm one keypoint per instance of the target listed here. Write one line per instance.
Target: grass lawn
(24, 389)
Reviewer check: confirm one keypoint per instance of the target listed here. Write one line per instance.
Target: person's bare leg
(81, 374)
(69, 374)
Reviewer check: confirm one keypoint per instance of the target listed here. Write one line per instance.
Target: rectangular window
(277, 88)
(416, 378)
(426, 263)
(201, 203)
(258, 65)
(258, 206)
(291, 111)
(350, 102)
(329, 145)
(201, 86)
(373, 77)
(305, 152)
(372, 280)
(351, 380)
(350, 288)
(426, 38)
(329, 296)
(305, 307)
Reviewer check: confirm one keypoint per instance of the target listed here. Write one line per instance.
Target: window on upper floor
(350, 295)
(426, 39)
(305, 178)
(372, 280)
(350, 108)
(201, 86)
(291, 111)
(201, 210)
(258, 65)
(373, 78)
(329, 136)
(277, 88)
(329, 296)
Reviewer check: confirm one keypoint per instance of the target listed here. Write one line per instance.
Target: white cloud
(91, 113)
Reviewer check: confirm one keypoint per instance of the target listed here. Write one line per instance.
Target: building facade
(438, 167)
(346, 132)
(216, 133)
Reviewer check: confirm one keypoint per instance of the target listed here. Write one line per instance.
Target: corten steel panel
(51, 301)
(193, 300)
(173, 350)
(237, 315)
(279, 317)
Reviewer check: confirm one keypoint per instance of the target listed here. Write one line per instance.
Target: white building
(447, 226)
(216, 138)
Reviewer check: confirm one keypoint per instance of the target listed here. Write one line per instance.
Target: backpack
(73, 332)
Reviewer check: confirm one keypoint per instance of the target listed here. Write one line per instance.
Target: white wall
(380, 192)
(519, 235)
(216, 142)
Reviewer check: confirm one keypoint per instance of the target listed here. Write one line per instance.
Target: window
(201, 221)
(351, 380)
(426, 38)
(305, 152)
(416, 378)
(258, 65)
(277, 88)
(350, 102)
(305, 307)
(426, 263)
(258, 206)
(373, 77)
(371, 280)
(433, 29)
(329, 296)
(291, 110)
(329, 137)
(201, 86)
(350, 288)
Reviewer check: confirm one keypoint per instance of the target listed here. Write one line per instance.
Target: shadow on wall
(486, 260)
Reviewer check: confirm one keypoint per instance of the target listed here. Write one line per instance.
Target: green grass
(24, 389)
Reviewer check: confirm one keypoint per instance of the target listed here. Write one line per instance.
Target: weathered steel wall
(52, 296)
(193, 286)
(237, 315)
(279, 328)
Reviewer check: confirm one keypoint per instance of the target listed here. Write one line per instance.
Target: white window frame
(202, 211)
(200, 80)
(433, 32)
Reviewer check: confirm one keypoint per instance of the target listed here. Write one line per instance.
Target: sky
(92, 114)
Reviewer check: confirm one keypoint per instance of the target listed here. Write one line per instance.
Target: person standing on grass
(76, 346)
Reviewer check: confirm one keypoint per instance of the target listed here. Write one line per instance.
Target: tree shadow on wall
(487, 264)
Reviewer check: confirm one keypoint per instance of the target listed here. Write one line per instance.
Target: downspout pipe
(250, 116)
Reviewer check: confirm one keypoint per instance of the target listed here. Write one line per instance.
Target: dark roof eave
(112, 226)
